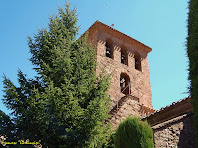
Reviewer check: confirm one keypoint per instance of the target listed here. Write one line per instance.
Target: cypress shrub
(192, 51)
(133, 133)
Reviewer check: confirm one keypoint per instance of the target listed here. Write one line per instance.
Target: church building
(126, 59)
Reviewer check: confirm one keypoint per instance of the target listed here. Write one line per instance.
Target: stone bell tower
(127, 60)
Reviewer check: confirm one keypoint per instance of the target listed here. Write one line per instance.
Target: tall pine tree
(192, 50)
(65, 105)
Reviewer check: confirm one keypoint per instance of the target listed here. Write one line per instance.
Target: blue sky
(159, 24)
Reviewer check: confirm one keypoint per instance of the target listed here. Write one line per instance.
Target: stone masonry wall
(139, 80)
(139, 100)
(129, 106)
(175, 133)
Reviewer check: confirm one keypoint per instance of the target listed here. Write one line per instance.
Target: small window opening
(137, 62)
(124, 59)
(124, 84)
(108, 51)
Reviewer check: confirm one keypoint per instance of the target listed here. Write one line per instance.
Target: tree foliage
(7, 128)
(133, 133)
(192, 50)
(65, 105)
(111, 140)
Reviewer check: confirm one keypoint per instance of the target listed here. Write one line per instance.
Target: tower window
(108, 52)
(109, 49)
(138, 62)
(124, 84)
(124, 59)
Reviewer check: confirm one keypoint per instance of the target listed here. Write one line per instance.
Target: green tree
(8, 132)
(66, 104)
(6, 125)
(111, 140)
(192, 50)
(133, 133)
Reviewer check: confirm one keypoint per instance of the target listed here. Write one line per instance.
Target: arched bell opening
(109, 48)
(124, 55)
(138, 61)
(125, 84)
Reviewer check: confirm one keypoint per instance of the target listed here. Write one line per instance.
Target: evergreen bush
(192, 51)
(133, 133)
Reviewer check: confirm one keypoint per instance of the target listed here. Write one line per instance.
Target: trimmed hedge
(133, 133)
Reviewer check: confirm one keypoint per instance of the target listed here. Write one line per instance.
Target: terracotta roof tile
(126, 37)
(168, 107)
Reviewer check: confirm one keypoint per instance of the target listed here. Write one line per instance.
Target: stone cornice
(115, 33)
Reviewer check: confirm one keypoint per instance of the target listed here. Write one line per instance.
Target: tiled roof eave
(98, 25)
(174, 105)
